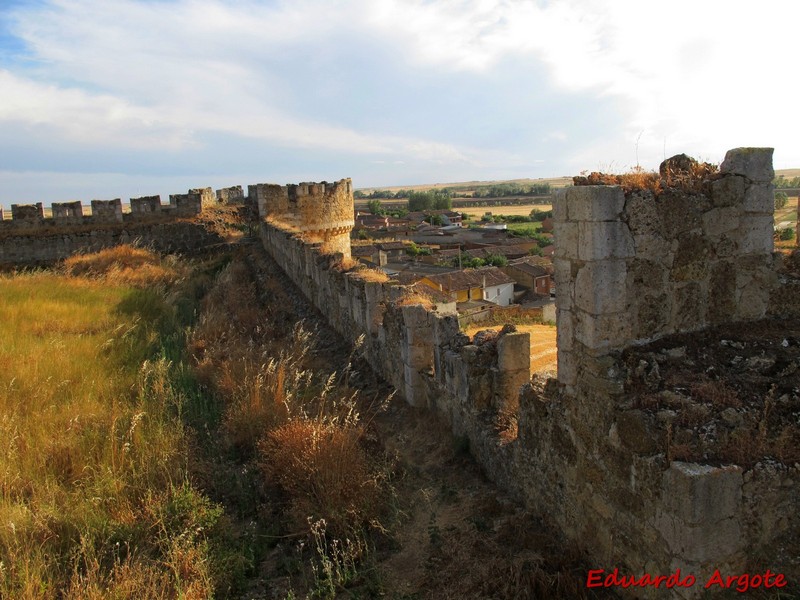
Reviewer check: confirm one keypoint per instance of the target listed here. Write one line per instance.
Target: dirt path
(450, 532)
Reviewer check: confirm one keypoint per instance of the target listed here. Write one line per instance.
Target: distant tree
(414, 250)
(430, 200)
(496, 260)
(781, 200)
(359, 194)
(783, 182)
(375, 207)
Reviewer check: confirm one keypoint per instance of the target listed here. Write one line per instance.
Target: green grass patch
(525, 229)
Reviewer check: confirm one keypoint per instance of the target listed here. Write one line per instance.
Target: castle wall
(320, 211)
(630, 270)
(230, 195)
(19, 247)
(107, 211)
(28, 238)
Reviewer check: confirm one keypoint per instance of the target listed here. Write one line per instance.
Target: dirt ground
(543, 345)
(449, 533)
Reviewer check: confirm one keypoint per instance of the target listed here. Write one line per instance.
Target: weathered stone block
(760, 198)
(567, 367)
(636, 430)
(679, 213)
(689, 307)
(560, 205)
(514, 352)
(603, 240)
(757, 234)
(722, 293)
(721, 220)
(653, 314)
(603, 332)
(566, 239)
(701, 494)
(728, 191)
(600, 287)
(595, 203)
(753, 163)
(565, 330)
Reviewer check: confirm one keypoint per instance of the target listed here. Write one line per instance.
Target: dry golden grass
(479, 211)
(371, 275)
(345, 265)
(89, 444)
(125, 265)
(416, 298)
(692, 179)
(324, 470)
(301, 425)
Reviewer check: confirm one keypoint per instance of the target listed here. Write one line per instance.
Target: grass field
(479, 211)
(95, 497)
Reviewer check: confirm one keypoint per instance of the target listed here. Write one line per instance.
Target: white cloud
(696, 77)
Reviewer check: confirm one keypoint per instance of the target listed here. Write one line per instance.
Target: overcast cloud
(113, 98)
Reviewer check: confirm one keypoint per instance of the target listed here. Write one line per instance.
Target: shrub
(320, 464)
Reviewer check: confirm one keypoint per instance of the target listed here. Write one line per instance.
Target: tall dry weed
(125, 265)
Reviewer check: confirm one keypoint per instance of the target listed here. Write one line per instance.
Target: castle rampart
(30, 238)
(321, 211)
(633, 270)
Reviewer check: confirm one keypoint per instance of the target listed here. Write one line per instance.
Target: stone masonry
(630, 270)
(320, 211)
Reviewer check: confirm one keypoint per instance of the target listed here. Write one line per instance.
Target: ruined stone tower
(322, 212)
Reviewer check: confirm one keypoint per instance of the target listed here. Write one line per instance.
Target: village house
(488, 283)
(533, 273)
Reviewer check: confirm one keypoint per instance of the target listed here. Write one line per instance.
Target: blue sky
(118, 98)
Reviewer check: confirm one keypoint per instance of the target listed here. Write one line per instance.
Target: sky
(117, 98)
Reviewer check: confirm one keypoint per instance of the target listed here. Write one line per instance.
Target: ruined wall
(28, 238)
(107, 211)
(231, 195)
(630, 270)
(19, 247)
(320, 211)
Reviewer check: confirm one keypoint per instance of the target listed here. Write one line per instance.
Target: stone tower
(323, 212)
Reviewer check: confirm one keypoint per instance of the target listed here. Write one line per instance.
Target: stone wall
(28, 238)
(231, 195)
(320, 211)
(107, 211)
(19, 247)
(630, 269)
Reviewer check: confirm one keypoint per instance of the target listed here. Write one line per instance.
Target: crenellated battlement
(30, 237)
(322, 211)
(608, 451)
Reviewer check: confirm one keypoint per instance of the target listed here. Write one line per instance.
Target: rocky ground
(728, 395)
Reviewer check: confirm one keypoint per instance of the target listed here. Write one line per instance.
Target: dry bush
(124, 265)
(371, 275)
(323, 468)
(344, 264)
(716, 393)
(416, 298)
(685, 175)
